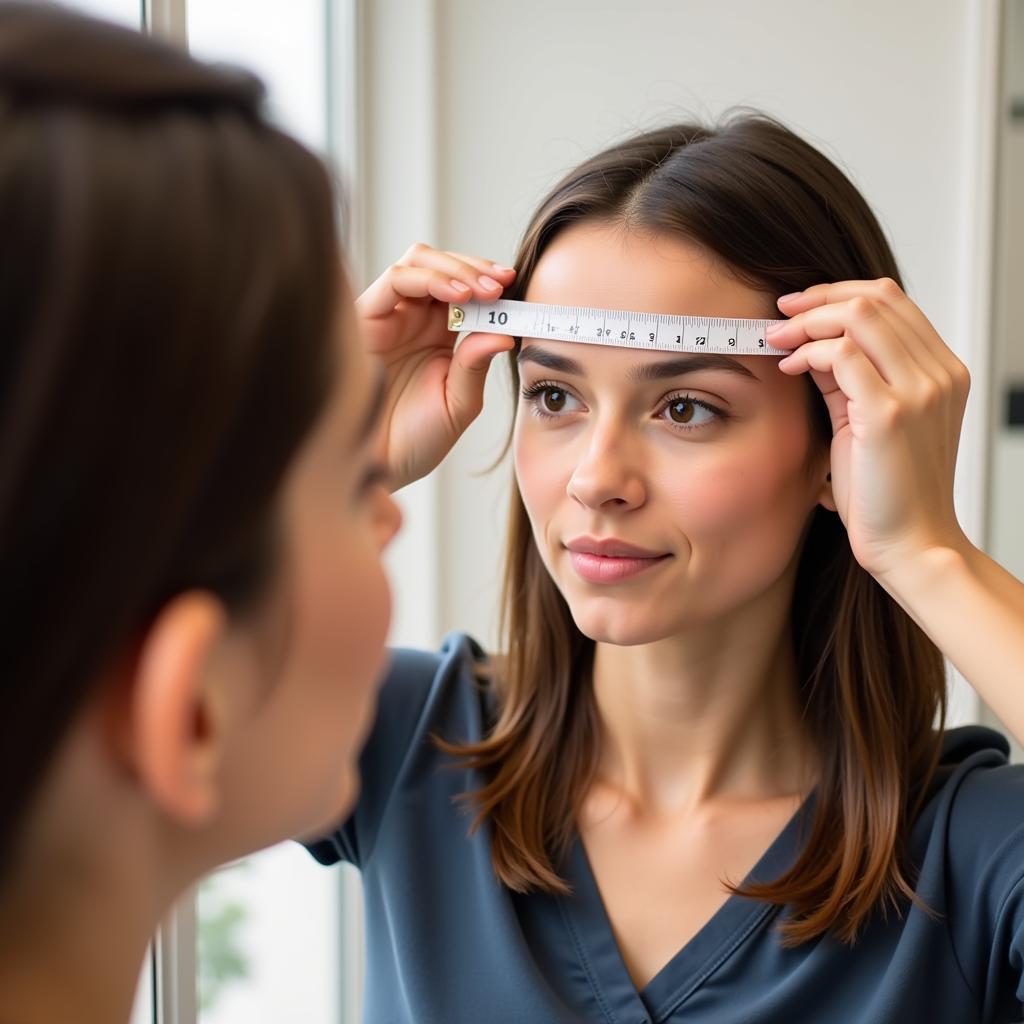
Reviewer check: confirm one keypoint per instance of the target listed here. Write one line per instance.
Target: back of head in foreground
(182, 504)
(754, 207)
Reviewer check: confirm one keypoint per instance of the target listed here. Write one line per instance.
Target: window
(124, 12)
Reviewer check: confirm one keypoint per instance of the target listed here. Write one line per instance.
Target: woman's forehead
(608, 267)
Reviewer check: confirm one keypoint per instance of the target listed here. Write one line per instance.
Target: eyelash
(532, 393)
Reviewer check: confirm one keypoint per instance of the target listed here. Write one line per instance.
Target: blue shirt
(447, 943)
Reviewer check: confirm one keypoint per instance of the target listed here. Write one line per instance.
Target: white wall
(477, 107)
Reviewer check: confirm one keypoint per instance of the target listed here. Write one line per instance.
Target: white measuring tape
(662, 332)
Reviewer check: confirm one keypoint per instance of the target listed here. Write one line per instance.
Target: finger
(476, 350)
(398, 283)
(835, 401)
(485, 278)
(404, 282)
(885, 290)
(855, 374)
(872, 325)
(464, 389)
(499, 270)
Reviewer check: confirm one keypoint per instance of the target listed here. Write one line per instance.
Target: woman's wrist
(919, 577)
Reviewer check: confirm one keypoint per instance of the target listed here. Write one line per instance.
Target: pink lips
(610, 560)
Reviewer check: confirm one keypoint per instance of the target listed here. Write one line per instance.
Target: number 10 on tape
(661, 332)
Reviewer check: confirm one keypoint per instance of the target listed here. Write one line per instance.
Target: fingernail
(489, 282)
(775, 325)
(503, 270)
(459, 286)
(791, 295)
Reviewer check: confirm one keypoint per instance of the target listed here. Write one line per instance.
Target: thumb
(468, 372)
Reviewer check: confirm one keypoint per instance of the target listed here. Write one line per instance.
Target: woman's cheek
(540, 473)
(754, 506)
(707, 501)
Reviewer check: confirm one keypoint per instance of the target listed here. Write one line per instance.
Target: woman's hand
(434, 392)
(896, 396)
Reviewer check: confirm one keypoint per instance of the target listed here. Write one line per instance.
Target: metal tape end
(456, 317)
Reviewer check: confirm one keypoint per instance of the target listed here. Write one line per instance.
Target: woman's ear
(178, 716)
(825, 496)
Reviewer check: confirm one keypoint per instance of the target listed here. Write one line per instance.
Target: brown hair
(871, 684)
(169, 277)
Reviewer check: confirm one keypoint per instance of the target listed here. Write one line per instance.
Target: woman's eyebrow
(674, 367)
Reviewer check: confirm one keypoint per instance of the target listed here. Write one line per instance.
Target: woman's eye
(688, 412)
(684, 412)
(547, 399)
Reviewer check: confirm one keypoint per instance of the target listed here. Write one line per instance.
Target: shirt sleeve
(401, 707)
(986, 884)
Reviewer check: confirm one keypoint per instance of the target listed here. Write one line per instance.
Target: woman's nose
(608, 474)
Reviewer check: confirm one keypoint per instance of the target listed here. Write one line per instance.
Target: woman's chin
(624, 631)
(338, 811)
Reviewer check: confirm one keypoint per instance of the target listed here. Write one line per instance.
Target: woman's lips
(609, 569)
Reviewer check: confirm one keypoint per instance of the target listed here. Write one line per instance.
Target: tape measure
(661, 332)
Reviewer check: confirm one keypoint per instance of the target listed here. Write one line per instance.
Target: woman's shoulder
(974, 766)
(421, 682)
(973, 866)
(979, 801)
(423, 694)
(446, 692)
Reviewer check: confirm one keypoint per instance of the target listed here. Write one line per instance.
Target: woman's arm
(973, 610)
(896, 396)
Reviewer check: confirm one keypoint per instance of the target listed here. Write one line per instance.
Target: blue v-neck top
(447, 943)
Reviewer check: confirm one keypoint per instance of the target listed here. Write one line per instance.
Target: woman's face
(706, 469)
(294, 771)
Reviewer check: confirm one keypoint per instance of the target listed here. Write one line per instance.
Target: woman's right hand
(434, 391)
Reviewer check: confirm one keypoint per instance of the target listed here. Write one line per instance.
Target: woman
(192, 504)
(708, 775)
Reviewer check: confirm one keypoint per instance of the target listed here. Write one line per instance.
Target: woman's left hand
(896, 396)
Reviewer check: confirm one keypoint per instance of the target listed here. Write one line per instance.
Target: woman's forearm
(973, 610)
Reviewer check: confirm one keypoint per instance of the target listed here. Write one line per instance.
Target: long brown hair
(169, 282)
(871, 684)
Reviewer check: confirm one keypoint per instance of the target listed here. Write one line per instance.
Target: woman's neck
(83, 969)
(73, 936)
(95, 871)
(707, 715)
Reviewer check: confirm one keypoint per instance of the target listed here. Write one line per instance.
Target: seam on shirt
(961, 970)
(958, 775)
(947, 850)
(680, 994)
(999, 916)
(978, 998)
(587, 968)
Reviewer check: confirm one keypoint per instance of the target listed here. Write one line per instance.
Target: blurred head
(193, 603)
(723, 471)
